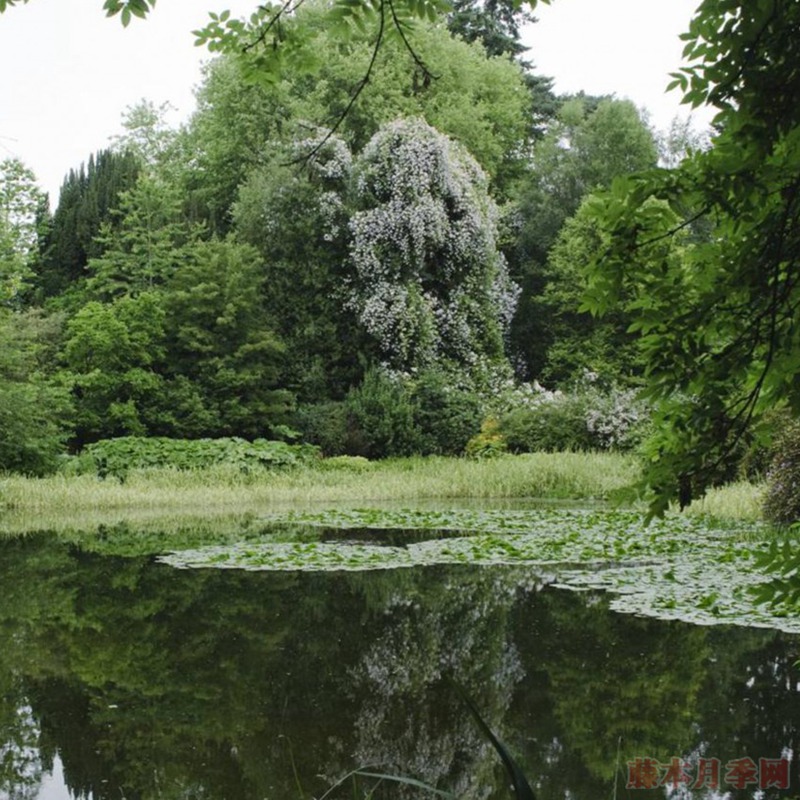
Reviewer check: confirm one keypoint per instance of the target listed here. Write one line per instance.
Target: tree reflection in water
(149, 682)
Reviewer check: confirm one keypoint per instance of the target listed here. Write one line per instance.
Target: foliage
(192, 356)
(148, 136)
(220, 342)
(782, 562)
(326, 425)
(127, 9)
(428, 283)
(589, 417)
(591, 142)
(387, 415)
(302, 266)
(782, 498)
(87, 199)
(551, 426)
(717, 322)
(495, 24)
(21, 207)
(35, 408)
(478, 101)
(574, 341)
(403, 235)
(141, 248)
(116, 457)
(382, 417)
(110, 353)
(445, 415)
(489, 442)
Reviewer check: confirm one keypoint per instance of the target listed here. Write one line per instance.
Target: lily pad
(675, 568)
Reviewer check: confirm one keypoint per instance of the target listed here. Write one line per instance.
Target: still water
(125, 678)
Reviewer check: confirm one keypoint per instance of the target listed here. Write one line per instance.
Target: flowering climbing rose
(427, 281)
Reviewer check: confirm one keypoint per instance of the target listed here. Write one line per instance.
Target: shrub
(445, 416)
(326, 425)
(347, 464)
(116, 456)
(552, 425)
(381, 417)
(391, 415)
(586, 418)
(782, 498)
(489, 443)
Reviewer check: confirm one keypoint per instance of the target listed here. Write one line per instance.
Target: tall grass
(59, 500)
(737, 502)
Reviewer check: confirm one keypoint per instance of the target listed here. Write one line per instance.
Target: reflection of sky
(53, 786)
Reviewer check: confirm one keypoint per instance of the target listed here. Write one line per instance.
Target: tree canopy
(718, 319)
(701, 260)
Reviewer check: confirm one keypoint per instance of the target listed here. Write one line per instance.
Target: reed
(58, 501)
(734, 502)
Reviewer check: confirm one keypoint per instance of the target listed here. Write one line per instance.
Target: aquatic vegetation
(675, 568)
(61, 502)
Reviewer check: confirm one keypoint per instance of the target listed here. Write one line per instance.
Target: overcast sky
(68, 73)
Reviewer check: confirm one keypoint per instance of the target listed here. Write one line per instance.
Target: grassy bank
(60, 501)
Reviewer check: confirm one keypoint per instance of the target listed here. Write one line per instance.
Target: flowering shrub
(587, 418)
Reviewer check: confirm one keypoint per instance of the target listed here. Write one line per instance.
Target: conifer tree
(88, 196)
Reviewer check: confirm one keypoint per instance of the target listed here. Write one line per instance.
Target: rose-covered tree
(427, 281)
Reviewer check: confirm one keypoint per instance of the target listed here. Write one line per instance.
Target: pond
(122, 676)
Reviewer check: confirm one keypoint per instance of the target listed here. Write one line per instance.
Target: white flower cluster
(333, 161)
(507, 395)
(613, 415)
(333, 214)
(427, 279)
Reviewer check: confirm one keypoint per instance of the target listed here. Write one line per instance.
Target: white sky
(68, 73)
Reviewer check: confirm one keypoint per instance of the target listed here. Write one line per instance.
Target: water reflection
(122, 678)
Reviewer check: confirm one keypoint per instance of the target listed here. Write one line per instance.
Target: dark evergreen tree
(86, 200)
(496, 25)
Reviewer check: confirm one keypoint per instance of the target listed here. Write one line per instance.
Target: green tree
(141, 245)
(221, 342)
(239, 125)
(718, 321)
(574, 341)
(21, 204)
(86, 202)
(111, 353)
(148, 136)
(593, 141)
(298, 222)
(35, 408)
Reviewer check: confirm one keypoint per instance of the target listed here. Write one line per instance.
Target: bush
(381, 417)
(347, 464)
(782, 498)
(445, 416)
(489, 442)
(388, 415)
(587, 418)
(326, 425)
(553, 425)
(115, 457)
